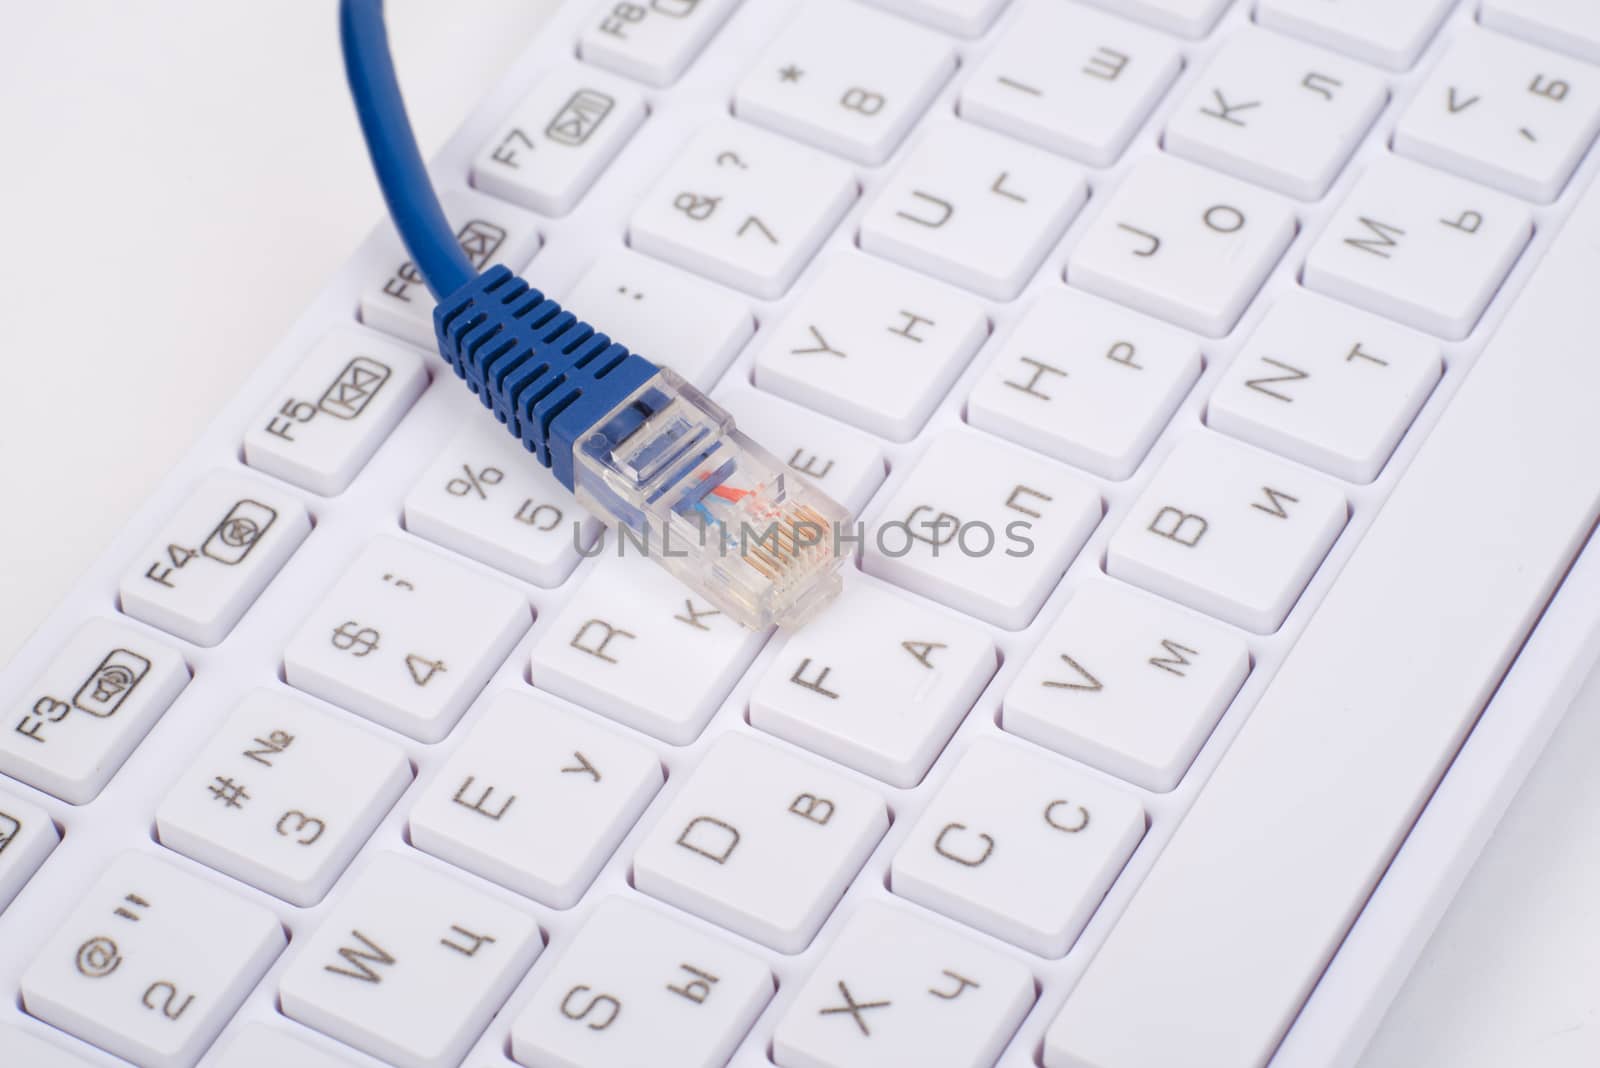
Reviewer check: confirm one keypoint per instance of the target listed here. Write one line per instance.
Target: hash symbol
(228, 792)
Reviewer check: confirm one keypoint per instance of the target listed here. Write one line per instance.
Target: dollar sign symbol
(354, 638)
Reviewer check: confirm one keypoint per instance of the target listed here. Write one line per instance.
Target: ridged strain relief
(546, 374)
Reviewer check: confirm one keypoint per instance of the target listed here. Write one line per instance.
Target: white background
(177, 180)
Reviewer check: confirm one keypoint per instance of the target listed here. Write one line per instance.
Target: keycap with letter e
(535, 798)
(152, 963)
(899, 988)
(409, 965)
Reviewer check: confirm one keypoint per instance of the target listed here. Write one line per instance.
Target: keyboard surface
(363, 746)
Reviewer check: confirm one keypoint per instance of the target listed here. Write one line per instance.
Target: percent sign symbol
(475, 481)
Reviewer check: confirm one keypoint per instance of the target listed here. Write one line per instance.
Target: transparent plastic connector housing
(667, 469)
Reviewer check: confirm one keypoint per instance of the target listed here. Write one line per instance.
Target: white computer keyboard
(348, 754)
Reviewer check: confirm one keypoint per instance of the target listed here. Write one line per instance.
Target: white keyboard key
(406, 637)
(1087, 105)
(743, 207)
(983, 527)
(872, 344)
(652, 42)
(258, 1045)
(1327, 385)
(844, 463)
(535, 798)
(282, 796)
(1085, 381)
(1228, 531)
(1191, 18)
(490, 231)
(152, 963)
(22, 1049)
(99, 697)
(409, 965)
(1018, 844)
(1242, 911)
(1127, 683)
(1419, 246)
(846, 78)
(840, 688)
(1569, 25)
(1390, 33)
(485, 496)
(1508, 114)
(973, 208)
(896, 988)
(1276, 112)
(213, 558)
(558, 139)
(969, 18)
(760, 841)
(672, 318)
(346, 397)
(27, 835)
(620, 644)
(636, 987)
(1183, 243)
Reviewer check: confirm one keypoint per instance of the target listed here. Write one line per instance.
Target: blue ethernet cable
(637, 445)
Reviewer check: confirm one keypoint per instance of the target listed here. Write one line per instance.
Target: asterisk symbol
(791, 73)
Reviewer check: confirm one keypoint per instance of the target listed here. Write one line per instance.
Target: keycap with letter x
(152, 963)
(406, 638)
(897, 988)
